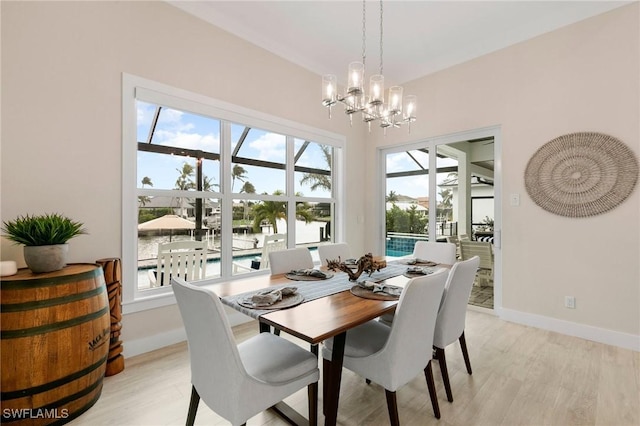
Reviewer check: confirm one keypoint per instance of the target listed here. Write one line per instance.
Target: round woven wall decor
(581, 174)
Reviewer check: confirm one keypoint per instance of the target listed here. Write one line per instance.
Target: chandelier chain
(381, 34)
(364, 32)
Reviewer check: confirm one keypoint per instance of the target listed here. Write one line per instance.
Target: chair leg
(465, 353)
(312, 392)
(392, 406)
(445, 374)
(367, 381)
(326, 367)
(193, 406)
(428, 374)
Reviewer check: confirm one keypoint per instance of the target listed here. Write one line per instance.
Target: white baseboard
(147, 344)
(596, 334)
(588, 332)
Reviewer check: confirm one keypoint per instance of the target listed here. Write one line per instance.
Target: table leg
(335, 376)
(264, 327)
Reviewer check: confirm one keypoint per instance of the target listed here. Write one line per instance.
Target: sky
(187, 130)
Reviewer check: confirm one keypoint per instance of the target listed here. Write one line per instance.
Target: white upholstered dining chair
(393, 356)
(436, 252)
(239, 381)
(283, 261)
(452, 315)
(444, 253)
(334, 252)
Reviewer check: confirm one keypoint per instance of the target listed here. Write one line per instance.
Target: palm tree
(143, 199)
(270, 211)
(207, 183)
(447, 201)
(392, 197)
(184, 182)
(247, 188)
(239, 173)
(317, 180)
(304, 211)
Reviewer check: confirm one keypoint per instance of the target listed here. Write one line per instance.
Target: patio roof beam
(184, 152)
(415, 160)
(154, 123)
(243, 136)
(301, 151)
(172, 150)
(449, 169)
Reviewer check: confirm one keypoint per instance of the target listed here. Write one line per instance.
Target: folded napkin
(309, 272)
(269, 297)
(391, 290)
(288, 291)
(416, 270)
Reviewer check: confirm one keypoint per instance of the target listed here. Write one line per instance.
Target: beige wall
(61, 134)
(584, 77)
(61, 110)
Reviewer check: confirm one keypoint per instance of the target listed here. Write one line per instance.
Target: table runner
(312, 290)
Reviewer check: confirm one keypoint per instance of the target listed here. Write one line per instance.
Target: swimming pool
(401, 245)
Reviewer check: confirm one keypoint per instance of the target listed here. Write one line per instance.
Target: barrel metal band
(39, 304)
(46, 282)
(25, 332)
(68, 399)
(4, 396)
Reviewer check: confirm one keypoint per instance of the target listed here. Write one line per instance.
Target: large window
(225, 176)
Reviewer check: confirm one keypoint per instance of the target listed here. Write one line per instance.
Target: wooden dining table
(313, 322)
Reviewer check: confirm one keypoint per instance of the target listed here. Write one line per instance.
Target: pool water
(398, 253)
(401, 245)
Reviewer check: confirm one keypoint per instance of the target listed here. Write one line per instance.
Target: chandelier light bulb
(376, 89)
(395, 100)
(410, 107)
(329, 89)
(356, 77)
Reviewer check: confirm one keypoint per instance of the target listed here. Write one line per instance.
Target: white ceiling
(420, 37)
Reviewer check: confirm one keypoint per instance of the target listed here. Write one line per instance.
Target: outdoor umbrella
(169, 221)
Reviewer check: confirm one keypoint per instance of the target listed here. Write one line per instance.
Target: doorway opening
(446, 189)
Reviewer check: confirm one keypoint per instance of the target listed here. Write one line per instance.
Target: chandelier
(397, 110)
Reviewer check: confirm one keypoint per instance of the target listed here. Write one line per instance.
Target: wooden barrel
(55, 341)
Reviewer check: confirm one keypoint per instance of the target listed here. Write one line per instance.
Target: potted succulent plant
(45, 239)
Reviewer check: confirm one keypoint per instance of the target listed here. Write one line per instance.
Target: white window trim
(133, 88)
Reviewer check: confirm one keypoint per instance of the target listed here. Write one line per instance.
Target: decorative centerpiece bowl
(365, 264)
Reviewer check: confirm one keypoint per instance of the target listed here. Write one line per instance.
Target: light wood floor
(521, 376)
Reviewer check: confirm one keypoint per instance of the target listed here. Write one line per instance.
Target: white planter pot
(46, 258)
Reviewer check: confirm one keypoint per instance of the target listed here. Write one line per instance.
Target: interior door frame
(431, 144)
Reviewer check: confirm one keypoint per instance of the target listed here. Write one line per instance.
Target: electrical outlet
(514, 199)
(570, 302)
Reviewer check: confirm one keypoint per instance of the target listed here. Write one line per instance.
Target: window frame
(137, 88)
